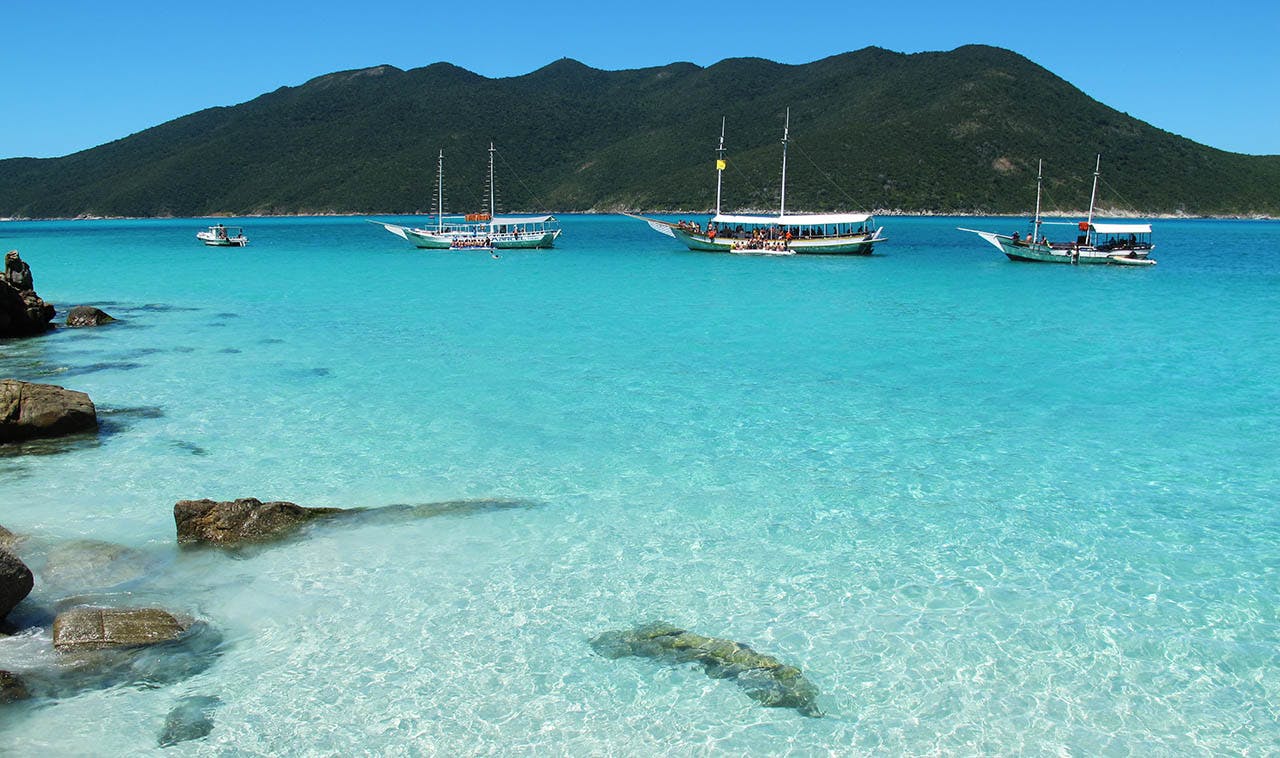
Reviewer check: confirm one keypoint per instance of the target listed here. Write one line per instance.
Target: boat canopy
(510, 220)
(794, 219)
(1122, 228)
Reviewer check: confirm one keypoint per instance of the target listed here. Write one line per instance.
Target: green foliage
(959, 131)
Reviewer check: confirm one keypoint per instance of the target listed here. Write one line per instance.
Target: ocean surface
(986, 507)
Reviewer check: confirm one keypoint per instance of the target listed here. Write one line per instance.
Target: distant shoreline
(891, 213)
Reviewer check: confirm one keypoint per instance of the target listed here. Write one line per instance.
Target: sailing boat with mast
(478, 230)
(1096, 243)
(783, 234)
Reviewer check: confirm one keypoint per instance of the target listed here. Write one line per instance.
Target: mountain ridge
(933, 132)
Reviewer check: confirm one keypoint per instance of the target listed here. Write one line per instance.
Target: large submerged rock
(90, 628)
(250, 521)
(190, 719)
(87, 315)
(12, 687)
(16, 581)
(28, 411)
(22, 312)
(235, 522)
(765, 679)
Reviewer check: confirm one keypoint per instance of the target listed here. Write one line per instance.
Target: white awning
(511, 220)
(794, 219)
(1122, 228)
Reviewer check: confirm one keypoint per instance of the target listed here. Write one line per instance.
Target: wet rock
(89, 628)
(87, 315)
(22, 312)
(16, 581)
(251, 521)
(190, 719)
(243, 521)
(7, 539)
(12, 687)
(765, 679)
(31, 410)
(88, 565)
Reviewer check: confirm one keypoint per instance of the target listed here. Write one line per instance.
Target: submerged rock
(12, 687)
(190, 719)
(765, 679)
(92, 565)
(251, 521)
(7, 539)
(16, 581)
(87, 315)
(235, 522)
(42, 410)
(22, 312)
(89, 628)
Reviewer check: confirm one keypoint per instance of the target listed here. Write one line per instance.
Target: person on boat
(1016, 237)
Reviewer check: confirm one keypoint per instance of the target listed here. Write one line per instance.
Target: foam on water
(985, 507)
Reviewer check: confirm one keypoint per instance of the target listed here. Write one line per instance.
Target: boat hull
(222, 242)
(1023, 252)
(527, 241)
(862, 244)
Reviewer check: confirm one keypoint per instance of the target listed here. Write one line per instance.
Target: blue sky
(77, 74)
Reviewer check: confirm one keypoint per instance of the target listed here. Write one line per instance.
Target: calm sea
(986, 507)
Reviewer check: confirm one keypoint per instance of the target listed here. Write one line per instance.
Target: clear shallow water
(986, 507)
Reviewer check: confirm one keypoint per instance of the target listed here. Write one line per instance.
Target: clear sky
(77, 73)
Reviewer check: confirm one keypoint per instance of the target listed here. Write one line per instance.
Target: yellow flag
(720, 165)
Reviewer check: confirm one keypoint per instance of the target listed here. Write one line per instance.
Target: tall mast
(492, 209)
(1093, 196)
(786, 133)
(440, 191)
(719, 165)
(1035, 230)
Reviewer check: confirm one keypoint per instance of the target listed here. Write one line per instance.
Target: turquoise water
(986, 507)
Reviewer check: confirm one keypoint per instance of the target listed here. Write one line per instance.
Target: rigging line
(752, 181)
(847, 196)
(533, 195)
(1128, 206)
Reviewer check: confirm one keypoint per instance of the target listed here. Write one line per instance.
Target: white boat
(781, 234)
(1095, 243)
(505, 232)
(220, 235)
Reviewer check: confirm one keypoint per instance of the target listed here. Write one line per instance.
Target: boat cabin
(1120, 236)
(792, 226)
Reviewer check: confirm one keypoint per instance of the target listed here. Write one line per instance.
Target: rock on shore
(30, 410)
(16, 581)
(22, 312)
(765, 679)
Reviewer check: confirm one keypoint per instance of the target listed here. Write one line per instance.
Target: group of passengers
(778, 245)
(468, 242)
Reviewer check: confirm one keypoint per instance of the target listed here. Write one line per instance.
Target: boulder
(89, 628)
(22, 312)
(190, 719)
(31, 410)
(87, 315)
(12, 688)
(765, 679)
(16, 581)
(235, 522)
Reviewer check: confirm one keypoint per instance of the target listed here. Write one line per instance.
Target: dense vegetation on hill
(954, 131)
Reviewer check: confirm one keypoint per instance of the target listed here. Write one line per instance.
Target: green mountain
(953, 131)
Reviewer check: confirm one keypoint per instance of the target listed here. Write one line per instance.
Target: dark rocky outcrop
(765, 679)
(249, 521)
(89, 628)
(12, 688)
(87, 315)
(190, 719)
(16, 581)
(235, 522)
(31, 410)
(22, 312)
